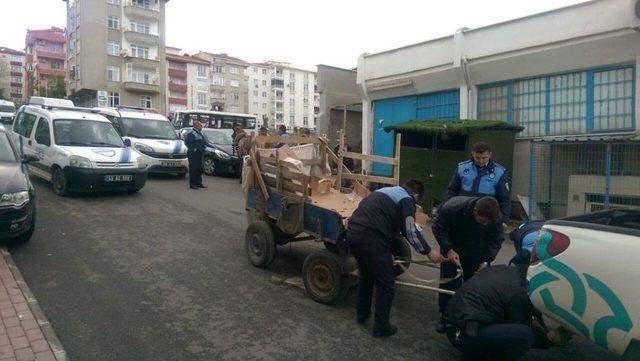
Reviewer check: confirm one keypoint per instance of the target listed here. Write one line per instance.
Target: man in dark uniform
(481, 176)
(493, 316)
(464, 238)
(370, 232)
(196, 144)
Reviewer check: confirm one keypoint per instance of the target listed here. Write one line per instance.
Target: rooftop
(4, 50)
(187, 59)
(54, 35)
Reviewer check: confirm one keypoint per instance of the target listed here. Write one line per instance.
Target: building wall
(336, 88)
(259, 94)
(298, 97)
(564, 41)
(12, 76)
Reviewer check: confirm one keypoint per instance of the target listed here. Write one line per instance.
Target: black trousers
(470, 264)
(375, 265)
(499, 342)
(195, 168)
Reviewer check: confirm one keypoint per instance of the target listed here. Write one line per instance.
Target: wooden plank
(338, 183)
(268, 168)
(334, 158)
(291, 139)
(268, 160)
(256, 170)
(396, 154)
(287, 173)
(292, 187)
(278, 171)
(371, 178)
(373, 158)
(311, 162)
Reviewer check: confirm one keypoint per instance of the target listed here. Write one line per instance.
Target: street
(163, 275)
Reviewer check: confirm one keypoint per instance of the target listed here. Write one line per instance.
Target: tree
(4, 78)
(55, 88)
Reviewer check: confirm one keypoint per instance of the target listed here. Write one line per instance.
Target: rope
(403, 261)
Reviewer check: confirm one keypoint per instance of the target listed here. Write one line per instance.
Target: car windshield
(217, 137)
(6, 152)
(148, 128)
(86, 133)
(7, 109)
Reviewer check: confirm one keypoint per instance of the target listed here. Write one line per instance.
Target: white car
(79, 151)
(7, 112)
(583, 276)
(153, 136)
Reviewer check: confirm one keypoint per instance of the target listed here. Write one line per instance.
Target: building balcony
(15, 73)
(178, 73)
(50, 71)
(143, 63)
(49, 54)
(142, 87)
(16, 85)
(16, 63)
(133, 9)
(214, 87)
(136, 37)
(178, 101)
(179, 88)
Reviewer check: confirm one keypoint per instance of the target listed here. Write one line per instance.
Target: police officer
(196, 144)
(460, 229)
(370, 232)
(481, 176)
(524, 238)
(493, 317)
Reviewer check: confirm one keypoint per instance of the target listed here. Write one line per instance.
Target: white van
(7, 112)
(79, 150)
(152, 135)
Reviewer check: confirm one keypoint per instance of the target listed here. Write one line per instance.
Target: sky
(304, 33)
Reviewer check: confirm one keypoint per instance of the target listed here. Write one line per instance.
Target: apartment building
(116, 53)
(45, 59)
(228, 88)
(295, 102)
(11, 74)
(260, 96)
(188, 81)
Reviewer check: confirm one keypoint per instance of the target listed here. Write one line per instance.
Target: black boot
(441, 327)
(386, 331)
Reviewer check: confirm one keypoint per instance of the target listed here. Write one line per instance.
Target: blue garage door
(441, 105)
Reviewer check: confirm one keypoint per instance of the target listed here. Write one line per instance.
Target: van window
(26, 125)
(43, 136)
(18, 121)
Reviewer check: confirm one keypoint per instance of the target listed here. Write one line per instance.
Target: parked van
(79, 150)
(7, 112)
(152, 135)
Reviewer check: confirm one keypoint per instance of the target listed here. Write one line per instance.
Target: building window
(114, 99)
(113, 48)
(114, 2)
(138, 51)
(292, 102)
(264, 94)
(202, 98)
(264, 71)
(15, 79)
(202, 85)
(255, 83)
(234, 83)
(202, 71)
(255, 70)
(113, 73)
(56, 65)
(264, 83)
(305, 121)
(292, 120)
(255, 105)
(613, 99)
(218, 69)
(234, 70)
(234, 96)
(217, 80)
(592, 101)
(264, 105)
(140, 76)
(255, 93)
(145, 4)
(145, 101)
(292, 77)
(139, 27)
(217, 94)
(113, 22)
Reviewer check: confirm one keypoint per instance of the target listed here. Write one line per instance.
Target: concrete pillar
(637, 100)
(367, 132)
(464, 101)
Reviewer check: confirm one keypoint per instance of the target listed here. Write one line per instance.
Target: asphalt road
(162, 275)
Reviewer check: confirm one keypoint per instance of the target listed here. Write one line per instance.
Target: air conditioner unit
(123, 52)
(587, 191)
(635, 11)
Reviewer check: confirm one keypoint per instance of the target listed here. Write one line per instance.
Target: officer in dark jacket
(492, 316)
(460, 229)
(370, 232)
(196, 144)
(481, 176)
(524, 238)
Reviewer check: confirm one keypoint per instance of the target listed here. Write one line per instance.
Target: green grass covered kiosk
(431, 150)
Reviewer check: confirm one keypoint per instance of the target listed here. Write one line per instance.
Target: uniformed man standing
(464, 238)
(481, 176)
(196, 144)
(370, 232)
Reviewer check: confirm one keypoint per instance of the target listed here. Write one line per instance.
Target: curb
(49, 334)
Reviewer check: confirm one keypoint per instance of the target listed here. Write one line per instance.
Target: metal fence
(576, 177)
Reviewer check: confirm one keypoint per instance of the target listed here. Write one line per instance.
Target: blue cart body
(320, 222)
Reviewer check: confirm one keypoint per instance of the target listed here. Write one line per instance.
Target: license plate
(169, 164)
(118, 178)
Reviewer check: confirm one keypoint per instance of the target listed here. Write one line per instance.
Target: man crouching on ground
(370, 233)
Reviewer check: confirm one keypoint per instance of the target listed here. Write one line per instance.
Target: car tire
(260, 244)
(60, 183)
(323, 277)
(209, 166)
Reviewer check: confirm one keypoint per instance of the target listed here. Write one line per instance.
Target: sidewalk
(25, 334)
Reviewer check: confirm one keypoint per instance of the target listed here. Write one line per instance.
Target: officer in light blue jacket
(480, 176)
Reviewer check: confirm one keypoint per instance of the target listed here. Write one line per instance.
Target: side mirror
(127, 142)
(29, 158)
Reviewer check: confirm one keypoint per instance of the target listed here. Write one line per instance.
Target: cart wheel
(323, 278)
(400, 249)
(260, 244)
